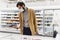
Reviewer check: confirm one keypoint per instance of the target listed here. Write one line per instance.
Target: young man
(27, 20)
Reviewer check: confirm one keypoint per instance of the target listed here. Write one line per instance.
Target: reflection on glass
(47, 24)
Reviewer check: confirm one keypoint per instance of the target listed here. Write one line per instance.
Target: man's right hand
(15, 27)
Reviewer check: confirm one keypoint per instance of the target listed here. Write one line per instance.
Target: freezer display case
(48, 22)
(9, 19)
(45, 22)
(39, 19)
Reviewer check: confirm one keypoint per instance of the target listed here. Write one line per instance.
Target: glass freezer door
(48, 22)
(45, 22)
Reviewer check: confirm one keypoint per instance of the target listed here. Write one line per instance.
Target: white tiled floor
(10, 36)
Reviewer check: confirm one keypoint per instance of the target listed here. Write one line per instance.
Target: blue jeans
(26, 31)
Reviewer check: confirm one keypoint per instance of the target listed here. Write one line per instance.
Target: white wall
(4, 4)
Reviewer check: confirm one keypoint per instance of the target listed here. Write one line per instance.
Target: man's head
(20, 5)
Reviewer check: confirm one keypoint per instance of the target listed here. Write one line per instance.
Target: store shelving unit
(44, 20)
(48, 19)
(39, 19)
(43, 17)
(7, 18)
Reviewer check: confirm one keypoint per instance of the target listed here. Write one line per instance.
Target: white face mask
(21, 10)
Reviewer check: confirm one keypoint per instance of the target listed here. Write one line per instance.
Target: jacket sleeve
(35, 22)
(20, 27)
(19, 15)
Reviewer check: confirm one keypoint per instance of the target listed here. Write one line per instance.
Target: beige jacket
(31, 21)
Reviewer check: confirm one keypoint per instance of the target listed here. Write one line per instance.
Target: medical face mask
(21, 10)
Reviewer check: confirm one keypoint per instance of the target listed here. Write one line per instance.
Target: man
(27, 20)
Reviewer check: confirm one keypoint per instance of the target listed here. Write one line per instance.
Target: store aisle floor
(12, 36)
(9, 36)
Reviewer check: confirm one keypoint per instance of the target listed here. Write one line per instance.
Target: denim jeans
(26, 31)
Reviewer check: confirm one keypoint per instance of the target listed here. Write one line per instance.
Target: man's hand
(15, 27)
